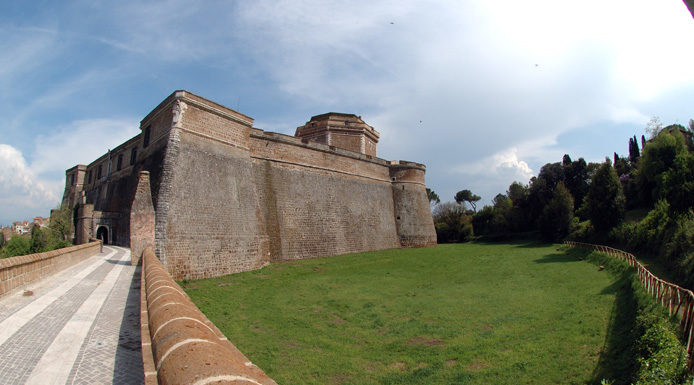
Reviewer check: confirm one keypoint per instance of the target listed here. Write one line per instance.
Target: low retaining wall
(678, 299)
(18, 272)
(179, 344)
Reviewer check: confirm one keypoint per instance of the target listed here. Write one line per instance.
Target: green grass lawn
(474, 313)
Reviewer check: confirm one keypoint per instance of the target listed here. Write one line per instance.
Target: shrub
(624, 233)
(662, 358)
(17, 245)
(653, 231)
(582, 231)
(680, 249)
(451, 223)
(655, 353)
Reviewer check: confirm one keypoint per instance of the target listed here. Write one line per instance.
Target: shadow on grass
(564, 255)
(616, 362)
(519, 242)
(557, 258)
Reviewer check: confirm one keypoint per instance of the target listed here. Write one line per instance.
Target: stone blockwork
(229, 197)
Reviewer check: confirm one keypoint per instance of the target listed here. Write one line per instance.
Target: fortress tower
(346, 131)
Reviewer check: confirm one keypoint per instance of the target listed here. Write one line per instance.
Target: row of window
(119, 161)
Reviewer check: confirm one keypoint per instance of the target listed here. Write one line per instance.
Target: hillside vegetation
(641, 202)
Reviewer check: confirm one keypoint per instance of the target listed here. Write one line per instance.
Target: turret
(74, 184)
(347, 131)
(413, 220)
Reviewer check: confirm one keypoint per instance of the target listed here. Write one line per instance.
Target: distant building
(41, 222)
(21, 227)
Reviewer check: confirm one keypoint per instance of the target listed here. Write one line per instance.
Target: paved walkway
(80, 326)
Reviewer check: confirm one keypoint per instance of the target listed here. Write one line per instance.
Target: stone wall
(18, 272)
(229, 197)
(179, 344)
(212, 224)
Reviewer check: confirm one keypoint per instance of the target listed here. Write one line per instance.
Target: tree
(556, 218)
(433, 197)
(622, 166)
(657, 158)
(677, 183)
(577, 180)
(39, 239)
(463, 196)
(502, 202)
(605, 200)
(518, 193)
(61, 222)
(451, 223)
(634, 153)
(653, 127)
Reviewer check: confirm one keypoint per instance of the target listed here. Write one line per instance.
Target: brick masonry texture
(17, 272)
(141, 219)
(229, 197)
(179, 344)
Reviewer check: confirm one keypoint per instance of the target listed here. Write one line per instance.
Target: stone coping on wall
(17, 272)
(179, 344)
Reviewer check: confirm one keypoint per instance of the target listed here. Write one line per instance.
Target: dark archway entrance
(102, 233)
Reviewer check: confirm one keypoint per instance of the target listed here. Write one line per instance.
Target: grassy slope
(455, 314)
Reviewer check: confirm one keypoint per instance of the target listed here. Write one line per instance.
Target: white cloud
(486, 175)
(455, 82)
(19, 184)
(33, 188)
(80, 142)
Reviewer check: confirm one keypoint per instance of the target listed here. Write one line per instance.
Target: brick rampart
(17, 272)
(179, 344)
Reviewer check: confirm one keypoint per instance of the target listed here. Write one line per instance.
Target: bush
(662, 358)
(624, 234)
(680, 249)
(653, 231)
(582, 231)
(655, 354)
(451, 223)
(17, 245)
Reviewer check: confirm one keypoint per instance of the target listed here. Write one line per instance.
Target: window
(145, 141)
(133, 156)
(98, 172)
(119, 164)
(89, 177)
(72, 179)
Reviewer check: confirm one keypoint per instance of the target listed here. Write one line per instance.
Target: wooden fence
(678, 299)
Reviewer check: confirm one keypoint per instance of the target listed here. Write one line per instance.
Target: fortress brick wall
(229, 197)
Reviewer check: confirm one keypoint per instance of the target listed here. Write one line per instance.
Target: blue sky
(482, 92)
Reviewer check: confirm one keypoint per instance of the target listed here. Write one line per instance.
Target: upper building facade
(229, 197)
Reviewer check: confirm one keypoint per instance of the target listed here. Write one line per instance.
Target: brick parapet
(179, 344)
(17, 272)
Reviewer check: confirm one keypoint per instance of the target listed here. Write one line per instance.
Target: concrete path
(80, 326)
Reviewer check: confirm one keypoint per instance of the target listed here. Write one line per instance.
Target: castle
(229, 197)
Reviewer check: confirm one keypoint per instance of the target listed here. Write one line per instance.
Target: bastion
(229, 197)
